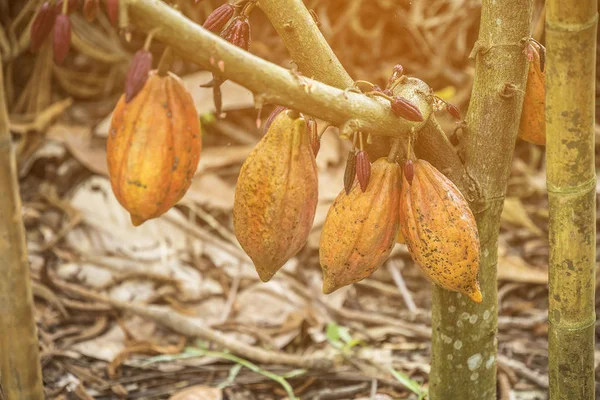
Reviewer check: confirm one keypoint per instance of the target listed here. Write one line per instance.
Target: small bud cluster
(54, 18)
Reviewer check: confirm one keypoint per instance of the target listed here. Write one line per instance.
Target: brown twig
(191, 327)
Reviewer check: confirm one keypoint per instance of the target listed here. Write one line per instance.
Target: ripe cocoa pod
(153, 147)
(219, 17)
(62, 38)
(532, 127)
(360, 229)
(271, 117)
(42, 25)
(276, 195)
(440, 230)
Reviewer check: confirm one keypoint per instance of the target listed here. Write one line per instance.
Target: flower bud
(42, 25)
(363, 169)
(238, 32)
(62, 38)
(219, 17)
(137, 74)
(406, 109)
(112, 10)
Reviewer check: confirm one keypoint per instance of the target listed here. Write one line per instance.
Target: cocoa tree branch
(270, 83)
(305, 42)
(315, 58)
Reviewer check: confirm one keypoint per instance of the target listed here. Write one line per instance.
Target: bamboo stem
(571, 179)
(20, 373)
(464, 343)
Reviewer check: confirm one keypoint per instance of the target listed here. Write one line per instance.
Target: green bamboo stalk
(464, 343)
(571, 179)
(20, 373)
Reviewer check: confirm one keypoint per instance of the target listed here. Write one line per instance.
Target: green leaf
(410, 384)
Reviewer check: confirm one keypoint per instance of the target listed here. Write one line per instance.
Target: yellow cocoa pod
(532, 128)
(440, 230)
(276, 195)
(153, 147)
(400, 238)
(360, 229)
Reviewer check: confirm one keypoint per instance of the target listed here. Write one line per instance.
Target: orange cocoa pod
(360, 229)
(440, 230)
(276, 195)
(153, 147)
(532, 127)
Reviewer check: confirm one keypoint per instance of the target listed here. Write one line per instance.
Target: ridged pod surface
(360, 229)
(532, 127)
(153, 147)
(276, 195)
(440, 230)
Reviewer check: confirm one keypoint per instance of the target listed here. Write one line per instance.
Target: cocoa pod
(153, 147)
(62, 38)
(406, 109)
(238, 32)
(363, 169)
(42, 25)
(276, 195)
(532, 127)
(271, 117)
(360, 229)
(140, 66)
(440, 230)
(219, 17)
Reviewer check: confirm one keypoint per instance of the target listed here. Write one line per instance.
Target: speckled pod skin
(440, 230)
(276, 195)
(153, 147)
(360, 229)
(532, 127)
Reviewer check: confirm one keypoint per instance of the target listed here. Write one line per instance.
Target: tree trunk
(20, 373)
(571, 179)
(464, 342)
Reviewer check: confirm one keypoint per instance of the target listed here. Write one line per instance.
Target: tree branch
(270, 83)
(307, 46)
(20, 372)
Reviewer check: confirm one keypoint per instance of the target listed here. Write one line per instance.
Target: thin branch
(272, 83)
(192, 327)
(307, 46)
